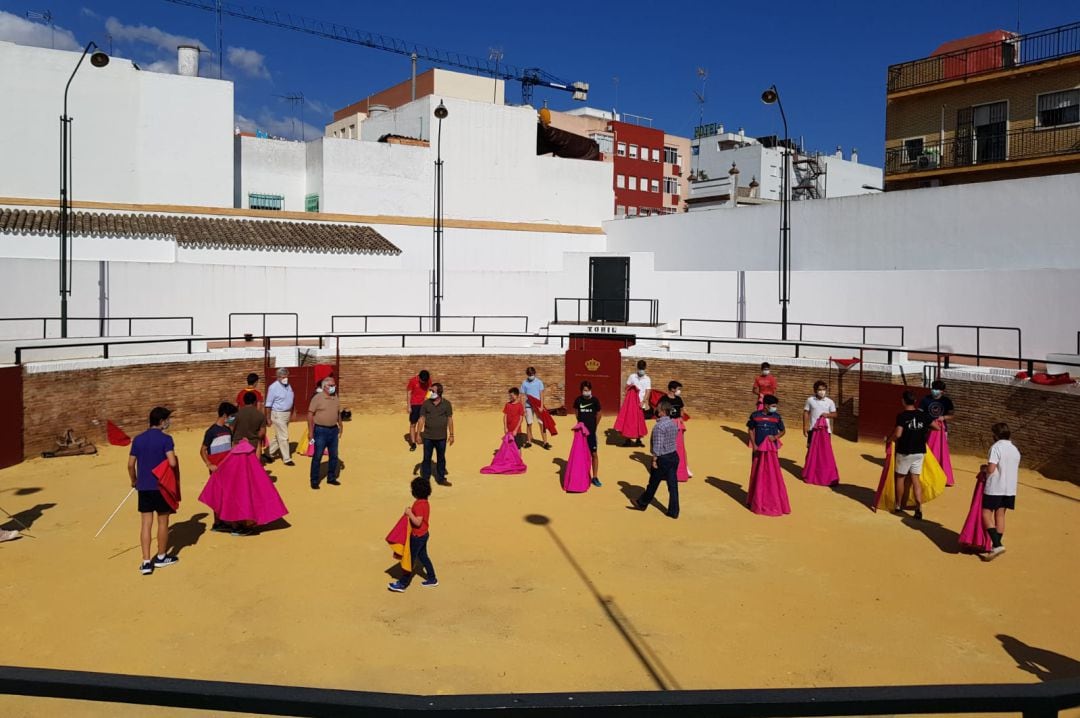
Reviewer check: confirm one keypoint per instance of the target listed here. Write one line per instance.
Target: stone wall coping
(64, 365)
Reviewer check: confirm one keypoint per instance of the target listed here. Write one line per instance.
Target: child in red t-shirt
(764, 384)
(419, 516)
(513, 412)
(252, 381)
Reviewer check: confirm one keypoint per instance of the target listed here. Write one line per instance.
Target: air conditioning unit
(925, 162)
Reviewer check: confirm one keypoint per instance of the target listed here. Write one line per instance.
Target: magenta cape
(241, 490)
(767, 494)
(938, 444)
(819, 468)
(507, 459)
(973, 536)
(683, 472)
(631, 419)
(579, 465)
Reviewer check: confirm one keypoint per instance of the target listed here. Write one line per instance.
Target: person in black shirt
(937, 404)
(674, 397)
(587, 409)
(913, 426)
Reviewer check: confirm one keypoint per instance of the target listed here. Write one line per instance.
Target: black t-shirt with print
(916, 427)
(586, 411)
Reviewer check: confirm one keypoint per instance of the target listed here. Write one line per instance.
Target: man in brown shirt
(324, 426)
(437, 430)
(250, 423)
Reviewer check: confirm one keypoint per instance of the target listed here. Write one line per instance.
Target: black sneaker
(146, 568)
(315, 487)
(166, 560)
(244, 531)
(333, 482)
(431, 582)
(221, 527)
(290, 463)
(918, 514)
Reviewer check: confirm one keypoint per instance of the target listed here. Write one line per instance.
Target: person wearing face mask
(819, 468)
(437, 431)
(678, 414)
(279, 404)
(533, 389)
(766, 493)
(216, 445)
(631, 419)
(764, 385)
(587, 411)
(941, 409)
(148, 451)
(325, 428)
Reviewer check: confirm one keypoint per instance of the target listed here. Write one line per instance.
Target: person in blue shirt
(279, 405)
(533, 387)
(148, 450)
(766, 424)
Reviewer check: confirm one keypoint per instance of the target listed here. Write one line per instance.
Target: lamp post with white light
(769, 97)
(437, 244)
(97, 59)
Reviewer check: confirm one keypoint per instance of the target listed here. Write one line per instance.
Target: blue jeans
(418, 551)
(439, 447)
(326, 437)
(667, 469)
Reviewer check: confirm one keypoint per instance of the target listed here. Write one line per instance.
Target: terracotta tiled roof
(207, 232)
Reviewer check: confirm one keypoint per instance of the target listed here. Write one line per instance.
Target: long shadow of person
(632, 492)
(1039, 662)
(614, 438)
(561, 463)
(186, 533)
(947, 540)
(791, 467)
(25, 519)
(644, 459)
(735, 491)
(859, 494)
(876, 460)
(740, 434)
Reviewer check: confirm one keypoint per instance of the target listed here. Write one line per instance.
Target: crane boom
(529, 77)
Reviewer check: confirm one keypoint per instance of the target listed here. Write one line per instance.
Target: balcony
(1016, 51)
(978, 149)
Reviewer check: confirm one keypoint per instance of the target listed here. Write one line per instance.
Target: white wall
(138, 136)
(844, 178)
(273, 167)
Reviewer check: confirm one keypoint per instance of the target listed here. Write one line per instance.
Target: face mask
(530, 378)
(678, 392)
(165, 425)
(641, 372)
(230, 420)
(766, 372)
(431, 394)
(936, 393)
(284, 381)
(331, 390)
(821, 394)
(587, 394)
(773, 409)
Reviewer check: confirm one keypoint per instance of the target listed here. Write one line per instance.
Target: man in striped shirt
(665, 461)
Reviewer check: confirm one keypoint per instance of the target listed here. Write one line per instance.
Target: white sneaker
(992, 553)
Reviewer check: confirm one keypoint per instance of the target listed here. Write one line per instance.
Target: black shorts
(591, 441)
(153, 502)
(993, 503)
(414, 413)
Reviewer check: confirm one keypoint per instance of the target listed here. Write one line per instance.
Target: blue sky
(828, 57)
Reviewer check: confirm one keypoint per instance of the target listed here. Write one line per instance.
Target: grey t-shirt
(436, 418)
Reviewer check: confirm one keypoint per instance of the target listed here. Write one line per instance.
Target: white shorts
(529, 418)
(909, 464)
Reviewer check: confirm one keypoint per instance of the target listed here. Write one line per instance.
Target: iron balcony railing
(983, 148)
(1016, 51)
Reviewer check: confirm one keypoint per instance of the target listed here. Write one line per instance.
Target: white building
(813, 176)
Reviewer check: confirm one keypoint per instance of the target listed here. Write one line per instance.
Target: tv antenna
(297, 98)
(495, 54)
(47, 17)
(704, 75)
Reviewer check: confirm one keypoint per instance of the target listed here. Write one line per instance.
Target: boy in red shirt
(416, 392)
(764, 385)
(419, 515)
(513, 413)
(252, 382)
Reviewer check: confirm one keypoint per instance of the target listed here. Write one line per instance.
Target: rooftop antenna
(1018, 16)
(615, 108)
(704, 75)
(297, 98)
(220, 43)
(47, 17)
(495, 54)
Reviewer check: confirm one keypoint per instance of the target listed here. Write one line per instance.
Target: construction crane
(529, 77)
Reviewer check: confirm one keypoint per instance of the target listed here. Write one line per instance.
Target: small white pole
(114, 512)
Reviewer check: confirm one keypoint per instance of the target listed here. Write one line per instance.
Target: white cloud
(148, 35)
(87, 12)
(25, 32)
(247, 61)
(166, 66)
(287, 126)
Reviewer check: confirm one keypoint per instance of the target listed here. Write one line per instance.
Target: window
(654, 185)
(633, 182)
(265, 201)
(620, 210)
(644, 184)
(655, 155)
(671, 185)
(632, 211)
(633, 152)
(671, 155)
(311, 203)
(913, 149)
(620, 181)
(1059, 108)
(620, 149)
(603, 141)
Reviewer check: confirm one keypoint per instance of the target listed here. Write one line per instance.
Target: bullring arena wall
(83, 395)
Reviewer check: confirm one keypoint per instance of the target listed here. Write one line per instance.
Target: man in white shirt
(1002, 476)
(279, 405)
(643, 383)
(817, 406)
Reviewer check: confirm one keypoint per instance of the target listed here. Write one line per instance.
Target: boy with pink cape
(940, 407)
(241, 491)
(767, 494)
(508, 458)
(631, 419)
(974, 537)
(576, 479)
(819, 468)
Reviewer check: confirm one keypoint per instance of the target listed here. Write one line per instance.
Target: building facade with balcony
(989, 107)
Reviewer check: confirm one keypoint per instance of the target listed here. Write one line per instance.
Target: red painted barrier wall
(597, 359)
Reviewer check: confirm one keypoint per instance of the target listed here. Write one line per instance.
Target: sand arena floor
(601, 598)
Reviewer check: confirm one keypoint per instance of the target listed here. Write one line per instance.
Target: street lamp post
(769, 97)
(97, 59)
(437, 244)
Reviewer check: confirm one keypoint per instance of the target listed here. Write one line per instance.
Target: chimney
(742, 135)
(754, 186)
(187, 60)
(733, 174)
(855, 155)
(839, 152)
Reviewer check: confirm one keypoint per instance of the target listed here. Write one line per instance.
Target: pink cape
(767, 494)
(683, 473)
(507, 459)
(631, 419)
(579, 465)
(241, 490)
(973, 537)
(938, 444)
(819, 468)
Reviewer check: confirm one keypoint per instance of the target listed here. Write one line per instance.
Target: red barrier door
(597, 359)
(11, 416)
(879, 403)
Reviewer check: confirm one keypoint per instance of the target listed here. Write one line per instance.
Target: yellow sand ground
(601, 598)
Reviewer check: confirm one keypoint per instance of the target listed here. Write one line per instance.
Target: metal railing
(1031, 700)
(978, 355)
(104, 324)
(596, 308)
(742, 325)
(971, 151)
(264, 315)
(1016, 51)
(421, 318)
